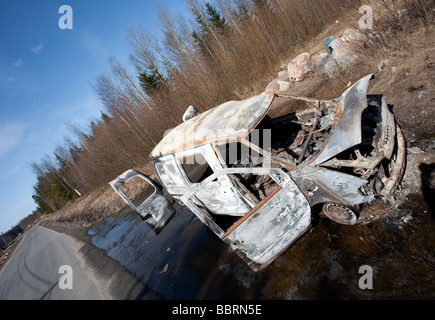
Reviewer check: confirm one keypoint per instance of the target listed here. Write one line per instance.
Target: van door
(269, 227)
(155, 209)
(273, 225)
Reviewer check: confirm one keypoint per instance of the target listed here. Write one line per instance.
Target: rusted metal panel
(348, 131)
(399, 167)
(386, 141)
(250, 213)
(233, 119)
(322, 185)
(273, 227)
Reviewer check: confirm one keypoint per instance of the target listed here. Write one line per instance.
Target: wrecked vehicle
(252, 170)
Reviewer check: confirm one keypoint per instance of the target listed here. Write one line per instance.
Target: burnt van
(252, 170)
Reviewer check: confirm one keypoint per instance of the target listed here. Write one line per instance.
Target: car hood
(348, 131)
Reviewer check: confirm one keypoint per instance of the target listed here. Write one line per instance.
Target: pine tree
(105, 117)
(199, 18)
(151, 81)
(219, 23)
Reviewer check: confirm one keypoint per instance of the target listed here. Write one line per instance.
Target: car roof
(232, 120)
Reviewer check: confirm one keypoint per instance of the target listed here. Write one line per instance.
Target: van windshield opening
(196, 167)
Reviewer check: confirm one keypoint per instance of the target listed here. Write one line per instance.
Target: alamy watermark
(366, 20)
(366, 281)
(66, 280)
(66, 20)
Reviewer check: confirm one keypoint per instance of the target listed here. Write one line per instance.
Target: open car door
(155, 210)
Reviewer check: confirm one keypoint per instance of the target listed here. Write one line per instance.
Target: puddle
(184, 261)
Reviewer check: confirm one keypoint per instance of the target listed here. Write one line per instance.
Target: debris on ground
(340, 52)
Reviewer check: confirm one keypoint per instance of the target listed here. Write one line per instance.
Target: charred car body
(252, 170)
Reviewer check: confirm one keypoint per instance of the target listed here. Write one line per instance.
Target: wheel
(340, 213)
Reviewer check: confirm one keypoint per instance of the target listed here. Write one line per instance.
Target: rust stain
(250, 213)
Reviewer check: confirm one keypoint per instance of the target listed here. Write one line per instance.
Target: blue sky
(45, 79)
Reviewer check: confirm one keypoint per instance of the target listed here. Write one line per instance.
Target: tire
(340, 213)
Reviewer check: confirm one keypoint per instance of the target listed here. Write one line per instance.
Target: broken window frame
(156, 210)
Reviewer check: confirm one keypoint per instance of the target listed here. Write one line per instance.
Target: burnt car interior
(255, 187)
(363, 160)
(299, 128)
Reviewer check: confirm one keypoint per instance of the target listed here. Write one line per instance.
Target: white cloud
(18, 63)
(10, 136)
(37, 50)
(10, 79)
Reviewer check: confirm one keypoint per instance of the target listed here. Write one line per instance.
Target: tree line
(224, 50)
(8, 236)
